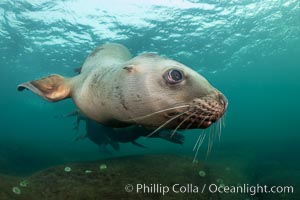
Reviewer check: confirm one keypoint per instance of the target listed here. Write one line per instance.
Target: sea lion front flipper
(52, 88)
(77, 114)
(71, 114)
(139, 145)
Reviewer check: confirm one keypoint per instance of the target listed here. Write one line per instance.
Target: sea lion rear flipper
(79, 117)
(80, 137)
(175, 138)
(113, 144)
(137, 144)
(52, 88)
(103, 149)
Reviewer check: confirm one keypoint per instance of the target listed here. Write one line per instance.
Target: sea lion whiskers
(157, 112)
(161, 126)
(199, 144)
(223, 122)
(200, 139)
(193, 121)
(184, 120)
(219, 125)
(215, 129)
(210, 140)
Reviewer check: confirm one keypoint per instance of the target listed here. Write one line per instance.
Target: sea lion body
(117, 90)
(96, 90)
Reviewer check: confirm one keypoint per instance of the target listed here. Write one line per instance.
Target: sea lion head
(164, 92)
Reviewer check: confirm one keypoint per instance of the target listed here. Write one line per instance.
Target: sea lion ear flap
(52, 88)
(129, 68)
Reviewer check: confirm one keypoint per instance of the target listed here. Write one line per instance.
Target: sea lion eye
(173, 76)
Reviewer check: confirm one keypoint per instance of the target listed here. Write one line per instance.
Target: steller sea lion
(117, 90)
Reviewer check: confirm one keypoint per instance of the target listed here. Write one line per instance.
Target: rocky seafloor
(107, 179)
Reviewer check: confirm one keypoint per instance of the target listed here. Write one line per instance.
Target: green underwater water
(248, 49)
